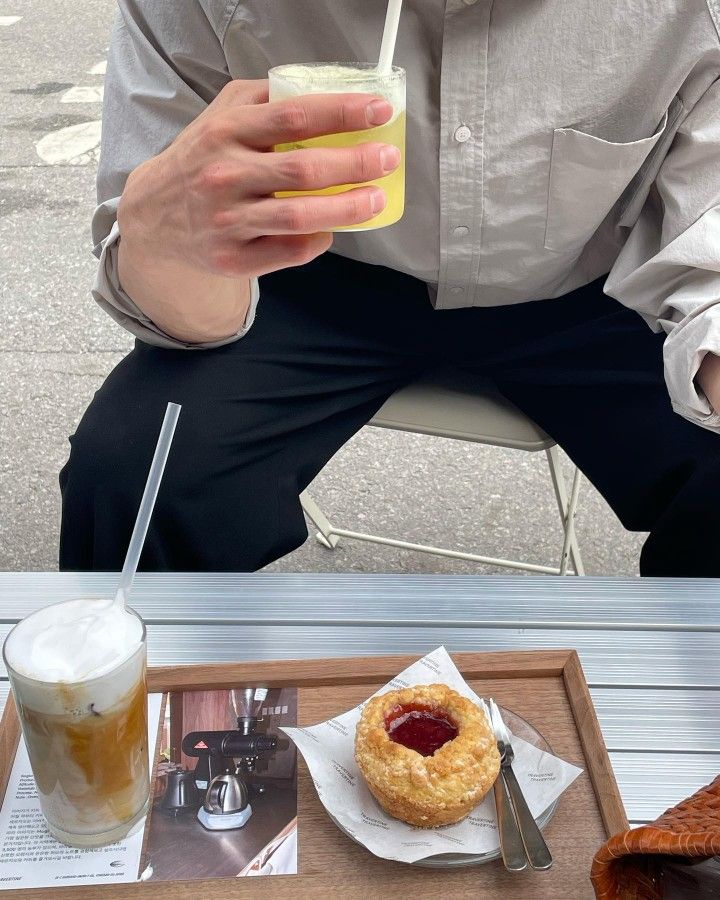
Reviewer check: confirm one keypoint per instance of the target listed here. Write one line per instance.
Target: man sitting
(563, 178)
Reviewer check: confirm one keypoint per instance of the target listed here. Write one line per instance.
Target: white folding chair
(452, 404)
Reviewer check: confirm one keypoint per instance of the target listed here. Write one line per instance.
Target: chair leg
(569, 527)
(567, 507)
(325, 535)
(329, 536)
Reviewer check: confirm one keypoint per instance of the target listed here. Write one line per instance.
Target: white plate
(522, 729)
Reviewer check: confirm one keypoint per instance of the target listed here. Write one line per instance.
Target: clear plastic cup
(87, 743)
(295, 80)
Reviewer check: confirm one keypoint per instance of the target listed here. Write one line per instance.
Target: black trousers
(331, 342)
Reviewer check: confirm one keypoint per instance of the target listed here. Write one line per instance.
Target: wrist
(708, 379)
(192, 306)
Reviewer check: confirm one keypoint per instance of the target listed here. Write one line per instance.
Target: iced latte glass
(339, 78)
(77, 672)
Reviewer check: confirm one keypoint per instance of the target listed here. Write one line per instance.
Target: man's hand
(708, 377)
(200, 219)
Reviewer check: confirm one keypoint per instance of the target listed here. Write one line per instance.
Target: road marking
(83, 94)
(6, 21)
(98, 69)
(44, 89)
(76, 145)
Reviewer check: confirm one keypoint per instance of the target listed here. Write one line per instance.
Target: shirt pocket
(588, 175)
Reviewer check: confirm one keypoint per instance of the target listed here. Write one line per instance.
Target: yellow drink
(393, 184)
(293, 81)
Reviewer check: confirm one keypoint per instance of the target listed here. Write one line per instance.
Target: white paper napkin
(328, 749)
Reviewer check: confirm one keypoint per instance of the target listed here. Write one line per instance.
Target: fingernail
(378, 201)
(389, 158)
(378, 112)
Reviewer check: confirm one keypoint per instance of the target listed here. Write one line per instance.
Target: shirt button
(462, 134)
(461, 231)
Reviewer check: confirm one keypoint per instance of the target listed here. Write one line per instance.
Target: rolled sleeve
(159, 79)
(684, 350)
(669, 267)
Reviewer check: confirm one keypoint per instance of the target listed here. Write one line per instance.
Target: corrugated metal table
(650, 647)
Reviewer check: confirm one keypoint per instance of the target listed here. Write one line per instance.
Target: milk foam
(293, 80)
(77, 640)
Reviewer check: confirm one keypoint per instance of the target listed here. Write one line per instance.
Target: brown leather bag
(629, 865)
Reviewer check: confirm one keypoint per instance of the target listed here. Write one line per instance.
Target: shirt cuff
(684, 350)
(118, 305)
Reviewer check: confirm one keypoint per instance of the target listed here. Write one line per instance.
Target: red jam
(423, 729)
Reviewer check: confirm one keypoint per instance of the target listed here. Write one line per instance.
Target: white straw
(387, 50)
(147, 503)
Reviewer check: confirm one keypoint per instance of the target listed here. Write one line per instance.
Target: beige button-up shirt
(549, 142)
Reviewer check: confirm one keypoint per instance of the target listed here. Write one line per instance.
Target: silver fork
(534, 844)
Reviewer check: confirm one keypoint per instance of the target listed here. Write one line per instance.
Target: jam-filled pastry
(427, 754)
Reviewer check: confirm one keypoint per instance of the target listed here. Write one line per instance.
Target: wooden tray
(547, 688)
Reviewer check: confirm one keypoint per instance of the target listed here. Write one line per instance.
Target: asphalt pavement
(56, 347)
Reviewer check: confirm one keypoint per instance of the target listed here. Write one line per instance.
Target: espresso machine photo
(227, 762)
